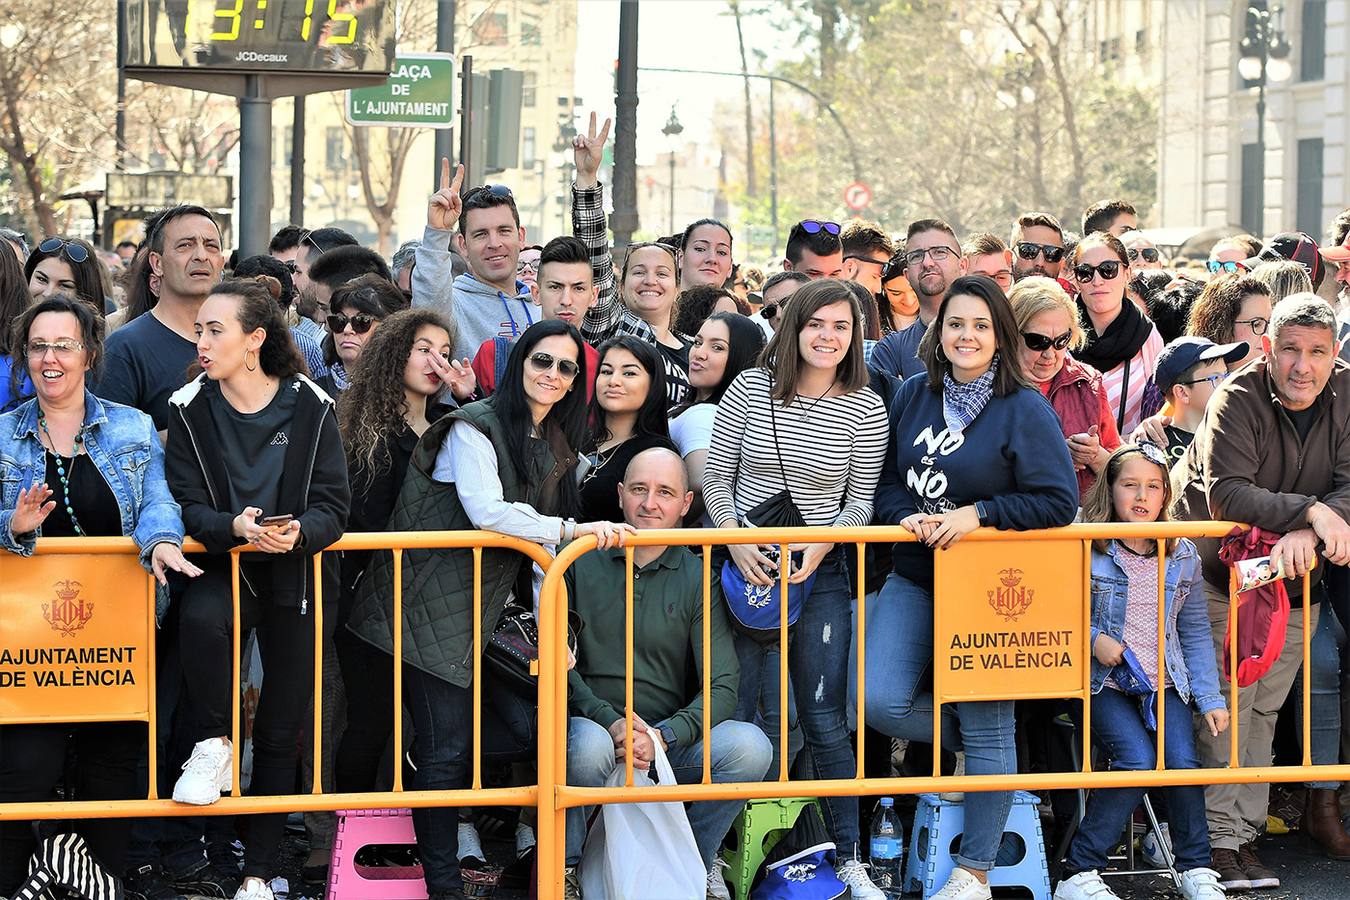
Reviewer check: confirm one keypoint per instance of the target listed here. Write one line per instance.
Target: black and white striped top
(832, 450)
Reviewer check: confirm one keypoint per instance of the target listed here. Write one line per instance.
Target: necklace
(815, 401)
(61, 470)
(601, 460)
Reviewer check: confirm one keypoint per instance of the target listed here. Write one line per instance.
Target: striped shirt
(831, 451)
(1141, 365)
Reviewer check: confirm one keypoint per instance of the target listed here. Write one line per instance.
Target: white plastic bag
(642, 851)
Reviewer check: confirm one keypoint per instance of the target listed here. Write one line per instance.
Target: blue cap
(1185, 352)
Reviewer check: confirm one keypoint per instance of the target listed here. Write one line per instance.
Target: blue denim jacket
(122, 443)
(1189, 647)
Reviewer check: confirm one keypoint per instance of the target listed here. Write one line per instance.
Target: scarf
(340, 379)
(1120, 341)
(961, 403)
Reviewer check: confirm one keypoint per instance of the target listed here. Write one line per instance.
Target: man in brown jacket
(1273, 451)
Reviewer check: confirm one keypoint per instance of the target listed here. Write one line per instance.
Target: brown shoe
(1258, 876)
(1231, 875)
(1322, 823)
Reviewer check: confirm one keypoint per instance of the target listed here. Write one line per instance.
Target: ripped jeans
(818, 649)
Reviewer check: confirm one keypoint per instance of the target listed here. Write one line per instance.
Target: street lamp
(1263, 58)
(671, 129)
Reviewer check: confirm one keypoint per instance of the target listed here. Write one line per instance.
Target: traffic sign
(857, 196)
(420, 93)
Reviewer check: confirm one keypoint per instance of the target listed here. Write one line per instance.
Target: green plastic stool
(759, 827)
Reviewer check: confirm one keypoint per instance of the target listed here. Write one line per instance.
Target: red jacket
(1078, 398)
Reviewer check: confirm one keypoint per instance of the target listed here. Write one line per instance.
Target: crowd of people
(549, 392)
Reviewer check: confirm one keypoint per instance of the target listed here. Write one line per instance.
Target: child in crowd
(1135, 488)
(1190, 370)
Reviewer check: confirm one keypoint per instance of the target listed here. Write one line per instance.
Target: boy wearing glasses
(1189, 370)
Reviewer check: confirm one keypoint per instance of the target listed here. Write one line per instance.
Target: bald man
(667, 656)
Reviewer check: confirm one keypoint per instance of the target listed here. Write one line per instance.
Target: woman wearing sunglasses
(1047, 322)
(66, 266)
(505, 464)
(1121, 342)
(1232, 308)
(357, 309)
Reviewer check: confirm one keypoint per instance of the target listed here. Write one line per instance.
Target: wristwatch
(667, 735)
(982, 511)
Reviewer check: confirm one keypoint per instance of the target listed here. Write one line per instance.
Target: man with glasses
(488, 301)
(1143, 254)
(1189, 370)
(933, 261)
(987, 255)
(1037, 242)
(814, 249)
(867, 249)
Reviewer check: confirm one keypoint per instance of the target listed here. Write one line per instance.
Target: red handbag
(1263, 612)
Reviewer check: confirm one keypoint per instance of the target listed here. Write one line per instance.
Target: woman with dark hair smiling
(989, 450)
(629, 416)
(68, 266)
(505, 464)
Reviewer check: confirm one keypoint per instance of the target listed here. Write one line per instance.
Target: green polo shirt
(667, 642)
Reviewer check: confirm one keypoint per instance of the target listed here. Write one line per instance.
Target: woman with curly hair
(393, 398)
(1232, 308)
(701, 301)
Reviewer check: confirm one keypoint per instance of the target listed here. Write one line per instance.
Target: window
(1141, 41)
(1310, 186)
(529, 89)
(490, 29)
(527, 149)
(531, 34)
(334, 148)
(1312, 48)
(1253, 188)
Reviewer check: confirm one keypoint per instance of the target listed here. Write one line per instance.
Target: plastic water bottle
(887, 849)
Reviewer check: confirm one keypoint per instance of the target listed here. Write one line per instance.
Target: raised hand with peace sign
(445, 206)
(587, 151)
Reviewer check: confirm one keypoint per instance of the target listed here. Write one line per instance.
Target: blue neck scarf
(961, 403)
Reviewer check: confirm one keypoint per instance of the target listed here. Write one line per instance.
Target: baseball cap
(1296, 246)
(1185, 352)
(1339, 253)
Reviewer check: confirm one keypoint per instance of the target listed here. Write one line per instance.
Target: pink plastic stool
(357, 828)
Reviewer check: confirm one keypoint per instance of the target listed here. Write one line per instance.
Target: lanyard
(529, 320)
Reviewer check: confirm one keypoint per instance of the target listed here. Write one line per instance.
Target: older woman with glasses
(1230, 309)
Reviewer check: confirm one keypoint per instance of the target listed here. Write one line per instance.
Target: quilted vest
(438, 584)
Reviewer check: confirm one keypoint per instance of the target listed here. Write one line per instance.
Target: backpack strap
(501, 352)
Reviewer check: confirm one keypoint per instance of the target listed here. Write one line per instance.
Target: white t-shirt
(692, 429)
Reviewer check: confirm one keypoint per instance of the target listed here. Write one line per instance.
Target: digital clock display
(350, 36)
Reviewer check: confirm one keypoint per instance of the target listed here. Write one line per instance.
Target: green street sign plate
(420, 93)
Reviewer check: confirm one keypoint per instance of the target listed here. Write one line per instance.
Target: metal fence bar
(317, 784)
(1159, 689)
(707, 664)
(398, 674)
(235, 698)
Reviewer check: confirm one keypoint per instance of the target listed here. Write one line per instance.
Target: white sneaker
(1084, 886)
(853, 874)
(1201, 884)
(254, 889)
(1148, 845)
(717, 885)
(207, 774)
(964, 886)
(470, 847)
(524, 839)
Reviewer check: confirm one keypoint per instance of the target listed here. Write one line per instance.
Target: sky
(690, 34)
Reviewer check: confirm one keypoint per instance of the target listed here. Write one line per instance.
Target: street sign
(420, 93)
(857, 196)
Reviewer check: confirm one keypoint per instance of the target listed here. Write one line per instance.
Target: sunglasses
(496, 190)
(1043, 342)
(1084, 272)
(1232, 268)
(74, 251)
(542, 362)
(869, 259)
(1028, 250)
(1149, 254)
(291, 266)
(895, 267)
(361, 322)
(309, 239)
(1154, 454)
(812, 226)
(62, 349)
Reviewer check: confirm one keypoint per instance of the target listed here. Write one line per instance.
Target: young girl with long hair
(253, 457)
(1134, 487)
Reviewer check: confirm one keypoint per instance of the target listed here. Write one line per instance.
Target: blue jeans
(1119, 729)
(740, 752)
(898, 701)
(442, 714)
(818, 664)
(1328, 650)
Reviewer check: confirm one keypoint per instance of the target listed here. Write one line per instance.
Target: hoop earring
(254, 367)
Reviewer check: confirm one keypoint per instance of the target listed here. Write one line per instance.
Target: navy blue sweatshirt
(1013, 457)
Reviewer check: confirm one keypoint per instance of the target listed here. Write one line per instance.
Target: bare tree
(749, 121)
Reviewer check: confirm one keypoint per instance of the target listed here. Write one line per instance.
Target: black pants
(368, 677)
(286, 645)
(32, 762)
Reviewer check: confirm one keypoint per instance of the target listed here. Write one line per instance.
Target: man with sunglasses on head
(1189, 370)
(488, 301)
(933, 260)
(311, 247)
(814, 249)
(1037, 242)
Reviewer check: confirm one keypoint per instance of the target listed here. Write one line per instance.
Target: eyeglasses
(1232, 268)
(1256, 324)
(1028, 250)
(73, 250)
(1214, 380)
(1084, 272)
(939, 254)
(361, 322)
(496, 190)
(62, 349)
(814, 226)
(542, 362)
(1150, 254)
(1043, 342)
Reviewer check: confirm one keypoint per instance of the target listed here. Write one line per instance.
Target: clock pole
(255, 167)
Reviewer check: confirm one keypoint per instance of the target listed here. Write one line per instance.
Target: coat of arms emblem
(1010, 600)
(68, 613)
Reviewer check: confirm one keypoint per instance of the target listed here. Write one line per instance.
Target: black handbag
(514, 646)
